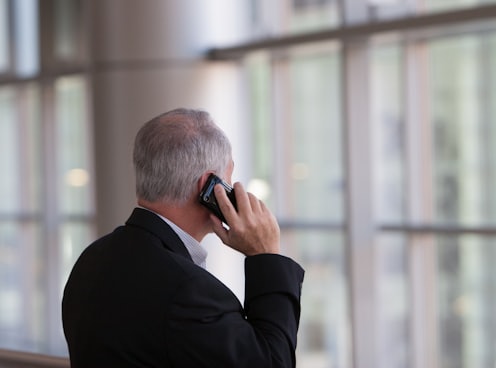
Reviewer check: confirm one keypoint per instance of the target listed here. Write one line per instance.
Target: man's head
(173, 151)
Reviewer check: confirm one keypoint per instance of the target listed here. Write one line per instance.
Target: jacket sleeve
(207, 327)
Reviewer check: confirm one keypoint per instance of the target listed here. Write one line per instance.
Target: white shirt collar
(196, 251)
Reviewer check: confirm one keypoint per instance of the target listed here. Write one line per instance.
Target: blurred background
(368, 126)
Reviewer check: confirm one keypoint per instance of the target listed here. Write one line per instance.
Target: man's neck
(190, 217)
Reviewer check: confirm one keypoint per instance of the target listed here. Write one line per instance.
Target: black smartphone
(207, 196)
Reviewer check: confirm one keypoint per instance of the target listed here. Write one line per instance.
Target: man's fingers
(255, 203)
(225, 205)
(218, 228)
(242, 199)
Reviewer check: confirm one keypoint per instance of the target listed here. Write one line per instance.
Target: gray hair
(173, 150)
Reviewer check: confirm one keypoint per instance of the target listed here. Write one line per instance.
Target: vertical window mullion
(27, 251)
(281, 117)
(359, 197)
(422, 251)
(50, 213)
(359, 192)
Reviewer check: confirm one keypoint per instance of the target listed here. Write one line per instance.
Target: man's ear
(203, 179)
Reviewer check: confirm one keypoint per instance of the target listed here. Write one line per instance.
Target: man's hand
(253, 229)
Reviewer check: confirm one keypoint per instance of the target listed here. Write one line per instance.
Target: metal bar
(358, 30)
(440, 229)
(12, 79)
(424, 229)
(38, 217)
(307, 225)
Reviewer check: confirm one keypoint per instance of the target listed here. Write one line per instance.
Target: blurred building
(368, 126)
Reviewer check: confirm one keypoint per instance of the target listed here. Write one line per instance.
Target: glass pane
(32, 148)
(442, 5)
(20, 161)
(293, 16)
(393, 302)
(466, 303)
(324, 333)
(26, 37)
(384, 9)
(311, 15)
(389, 129)
(68, 30)
(259, 75)
(311, 159)
(74, 146)
(464, 134)
(22, 282)
(73, 238)
(10, 191)
(4, 37)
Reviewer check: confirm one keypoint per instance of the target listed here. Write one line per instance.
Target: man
(140, 296)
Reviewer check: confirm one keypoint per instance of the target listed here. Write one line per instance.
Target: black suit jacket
(135, 299)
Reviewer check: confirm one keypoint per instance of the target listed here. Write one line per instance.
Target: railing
(19, 359)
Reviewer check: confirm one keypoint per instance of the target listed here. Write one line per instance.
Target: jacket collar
(153, 224)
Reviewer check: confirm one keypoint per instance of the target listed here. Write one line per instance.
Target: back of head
(173, 150)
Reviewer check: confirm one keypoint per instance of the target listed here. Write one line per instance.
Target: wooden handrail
(14, 359)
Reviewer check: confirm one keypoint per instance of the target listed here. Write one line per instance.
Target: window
(373, 142)
(47, 205)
